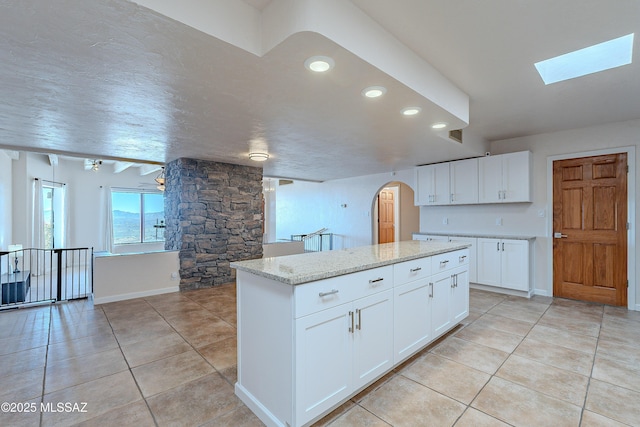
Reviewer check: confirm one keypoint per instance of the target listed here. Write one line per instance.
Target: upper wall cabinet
(451, 183)
(463, 182)
(432, 185)
(505, 178)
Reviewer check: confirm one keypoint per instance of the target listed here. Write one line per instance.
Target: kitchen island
(315, 329)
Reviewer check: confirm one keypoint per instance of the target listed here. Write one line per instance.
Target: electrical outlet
(445, 221)
(498, 221)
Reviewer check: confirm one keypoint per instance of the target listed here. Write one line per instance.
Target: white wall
(86, 191)
(120, 277)
(5, 200)
(304, 207)
(523, 219)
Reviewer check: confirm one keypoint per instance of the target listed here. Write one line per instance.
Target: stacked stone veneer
(213, 213)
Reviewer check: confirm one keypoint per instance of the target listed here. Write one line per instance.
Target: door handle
(431, 290)
(559, 235)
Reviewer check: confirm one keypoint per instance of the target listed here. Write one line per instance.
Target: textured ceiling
(116, 80)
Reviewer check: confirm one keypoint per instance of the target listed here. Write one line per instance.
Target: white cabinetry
(305, 349)
(341, 349)
(505, 178)
(432, 184)
(504, 263)
(463, 182)
(411, 307)
(430, 238)
(473, 255)
(450, 290)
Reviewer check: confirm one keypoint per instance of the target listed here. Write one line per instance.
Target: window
(593, 59)
(138, 217)
(53, 215)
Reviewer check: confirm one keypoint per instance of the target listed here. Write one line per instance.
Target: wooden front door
(386, 220)
(590, 229)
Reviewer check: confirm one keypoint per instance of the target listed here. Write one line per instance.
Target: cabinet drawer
(316, 296)
(408, 271)
(449, 260)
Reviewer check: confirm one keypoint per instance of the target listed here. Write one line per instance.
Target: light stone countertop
(480, 235)
(309, 267)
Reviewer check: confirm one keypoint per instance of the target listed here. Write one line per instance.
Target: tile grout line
(153, 417)
(46, 364)
(593, 364)
(192, 348)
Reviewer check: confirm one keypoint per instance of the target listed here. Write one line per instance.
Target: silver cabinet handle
(331, 292)
(430, 289)
(453, 197)
(444, 263)
(453, 280)
(359, 325)
(351, 315)
(379, 279)
(413, 270)
(462, 258)
(498, 246)
(502, 246)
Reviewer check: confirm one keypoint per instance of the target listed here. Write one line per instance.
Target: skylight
(603, 56)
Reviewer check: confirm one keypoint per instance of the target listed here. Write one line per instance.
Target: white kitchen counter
(309, 267)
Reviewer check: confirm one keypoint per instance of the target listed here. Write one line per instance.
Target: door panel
(589, 224)
(386, 219)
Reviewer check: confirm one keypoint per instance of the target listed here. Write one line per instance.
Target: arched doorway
(395, 217)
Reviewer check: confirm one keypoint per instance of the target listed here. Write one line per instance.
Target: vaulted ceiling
(215, 80)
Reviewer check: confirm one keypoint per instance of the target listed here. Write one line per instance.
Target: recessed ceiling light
(603, 56)
(411, 111)
(258, 157)
(440, 125)
(374, 91)
(319, 64)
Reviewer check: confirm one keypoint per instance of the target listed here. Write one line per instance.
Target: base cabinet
(412, 308)
(324, 372)
(304, 350)
(504, 263)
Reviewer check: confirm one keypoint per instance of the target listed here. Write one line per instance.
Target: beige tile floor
(171, 360)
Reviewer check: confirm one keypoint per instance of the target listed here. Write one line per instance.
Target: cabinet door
(473, 255)
(516, 177)
(373, 337)
(425, 185)
(460, 295)
(441, 184)
(515, 264)
(441, 292)
(489, 262)
(463, 182)
(324, 356)
(490, 179)
(412, 318)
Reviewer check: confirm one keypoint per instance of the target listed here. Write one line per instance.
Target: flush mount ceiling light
(374, 91)
(411, 111)
(319, 64)
(600, 57)
(440, 125)
(258, 157)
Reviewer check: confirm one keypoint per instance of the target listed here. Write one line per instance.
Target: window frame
(141, 223)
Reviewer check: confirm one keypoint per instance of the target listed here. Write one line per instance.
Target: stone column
(213, 213)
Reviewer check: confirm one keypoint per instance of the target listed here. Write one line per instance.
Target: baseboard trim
(499, 290)
(132, 295)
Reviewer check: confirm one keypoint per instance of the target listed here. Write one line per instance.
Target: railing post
(59, 274)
